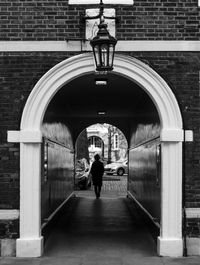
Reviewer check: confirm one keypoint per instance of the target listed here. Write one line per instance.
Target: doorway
(152, 94)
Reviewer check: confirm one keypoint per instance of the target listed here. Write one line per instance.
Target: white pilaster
(30, 242)
(170, 240)
(29, 247)
(170, 247)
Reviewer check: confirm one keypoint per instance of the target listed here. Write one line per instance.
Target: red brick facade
(55, 20)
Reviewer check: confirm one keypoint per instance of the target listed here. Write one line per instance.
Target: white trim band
(9, 214)
(189, 136)
(192, 213)
(156, 45)
(83, 46)
(171, 135)
(94, 2)
(24, 136)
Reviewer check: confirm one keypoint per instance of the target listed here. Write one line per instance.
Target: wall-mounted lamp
(101, 112)
(103, 44)
(101, 81)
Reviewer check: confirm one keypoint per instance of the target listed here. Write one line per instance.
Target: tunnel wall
(144, 169)
(57, 180)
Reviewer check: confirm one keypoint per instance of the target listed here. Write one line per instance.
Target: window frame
(116, 141)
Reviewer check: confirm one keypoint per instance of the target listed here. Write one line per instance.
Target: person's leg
(99, 190)
(96, 190)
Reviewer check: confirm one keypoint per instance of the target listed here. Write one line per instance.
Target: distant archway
(30, 242)
(96, 145)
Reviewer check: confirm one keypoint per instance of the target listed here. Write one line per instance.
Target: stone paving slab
(193, 260)
(95, 236)
(20, 261)
(100, 260)
(61, 261)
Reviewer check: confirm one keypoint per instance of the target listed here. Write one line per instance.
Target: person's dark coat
(97, 171)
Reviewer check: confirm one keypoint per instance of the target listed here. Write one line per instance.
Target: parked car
(82, 174)
(119, 167)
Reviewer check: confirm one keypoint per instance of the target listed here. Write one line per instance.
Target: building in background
(108, 141)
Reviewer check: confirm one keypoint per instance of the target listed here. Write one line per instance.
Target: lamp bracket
(91, 25)
(100, 15)
(84, 18)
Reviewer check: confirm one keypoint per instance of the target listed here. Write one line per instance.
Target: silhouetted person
(97, 171)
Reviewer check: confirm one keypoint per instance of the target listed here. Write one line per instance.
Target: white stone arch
(73, 67)
(30, 242)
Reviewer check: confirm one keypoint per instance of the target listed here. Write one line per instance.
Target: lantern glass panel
(97, 55)
(104, 55)
(111, 54)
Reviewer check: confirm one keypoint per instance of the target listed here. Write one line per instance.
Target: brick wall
(9, 229)
(159, 20)
(21, 71)
(193, 227)
(56, 20)
(9, 175)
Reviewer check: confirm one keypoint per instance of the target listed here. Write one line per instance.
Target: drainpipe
(184, 220)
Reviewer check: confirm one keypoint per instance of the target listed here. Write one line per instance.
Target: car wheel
(120, 172)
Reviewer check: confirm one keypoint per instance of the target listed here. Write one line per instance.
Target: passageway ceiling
(78, 103)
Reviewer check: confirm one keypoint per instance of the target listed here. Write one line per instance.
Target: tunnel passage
(109, 229)
(117, 100)
(170, 242)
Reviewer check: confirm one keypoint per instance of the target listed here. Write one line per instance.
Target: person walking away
(97, 171)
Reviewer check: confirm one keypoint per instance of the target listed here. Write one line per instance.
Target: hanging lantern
(103, 45)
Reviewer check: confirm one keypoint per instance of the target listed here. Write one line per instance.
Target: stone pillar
(30, 243)
(170, 242)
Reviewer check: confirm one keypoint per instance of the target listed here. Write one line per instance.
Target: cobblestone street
(111, 185)
(115, 183)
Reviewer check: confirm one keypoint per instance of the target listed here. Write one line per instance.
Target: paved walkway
(107, 231)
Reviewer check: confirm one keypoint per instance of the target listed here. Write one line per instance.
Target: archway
(30, 242)
(96, 145)
(111, 144)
